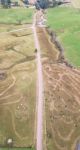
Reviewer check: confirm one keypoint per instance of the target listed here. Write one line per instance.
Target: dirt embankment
(48, 49)
(51, 46)
(59, 47)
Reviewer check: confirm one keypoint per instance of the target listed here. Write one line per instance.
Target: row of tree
(9, 3)
(46, 3)
(39, 3)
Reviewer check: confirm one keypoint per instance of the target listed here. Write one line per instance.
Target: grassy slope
(15, 15)
(66, 22)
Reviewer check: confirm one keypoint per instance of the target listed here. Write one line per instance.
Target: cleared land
(17, 88)
(66, 23)
(62, 98)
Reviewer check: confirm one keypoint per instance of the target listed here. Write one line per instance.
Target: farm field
(17, 88)
(62, 98)
(66, 23)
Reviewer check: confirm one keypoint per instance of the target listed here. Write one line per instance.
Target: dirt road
(40, 92)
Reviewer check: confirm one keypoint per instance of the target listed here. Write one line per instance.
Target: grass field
(17, 89)
(66, 23)
(16, 16)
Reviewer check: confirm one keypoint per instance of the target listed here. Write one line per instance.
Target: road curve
(39, 144)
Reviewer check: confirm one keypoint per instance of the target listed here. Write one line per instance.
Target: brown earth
(62, 98)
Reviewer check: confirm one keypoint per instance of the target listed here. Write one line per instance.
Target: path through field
(39, 90)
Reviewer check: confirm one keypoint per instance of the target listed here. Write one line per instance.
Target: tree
(2, 2)
(6, 3)
(9, 3)
(47, 3)
(41, 4)
(52, 3)
(44, 4)
(26, 2)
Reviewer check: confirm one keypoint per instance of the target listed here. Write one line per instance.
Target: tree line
(39, 3)
(6, 3)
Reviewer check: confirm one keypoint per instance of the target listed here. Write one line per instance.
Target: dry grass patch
(17, 89)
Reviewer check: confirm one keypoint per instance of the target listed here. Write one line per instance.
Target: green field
(15, 16)
(66, 23)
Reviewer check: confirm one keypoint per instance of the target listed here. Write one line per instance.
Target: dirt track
(39, 135)
(62, 98)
